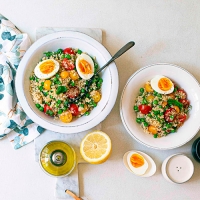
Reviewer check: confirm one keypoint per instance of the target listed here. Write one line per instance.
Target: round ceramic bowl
(55, 41)
(184, 80)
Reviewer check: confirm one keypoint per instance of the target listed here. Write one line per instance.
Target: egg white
(154, 85)
(41, 75)
(139, 170)
(87, 58)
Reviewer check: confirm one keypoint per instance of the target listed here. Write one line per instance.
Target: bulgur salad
(61, 77)
(161, 107)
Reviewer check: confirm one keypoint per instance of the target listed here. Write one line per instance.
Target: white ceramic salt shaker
(177, 168)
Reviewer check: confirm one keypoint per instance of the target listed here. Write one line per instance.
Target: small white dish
(151, 164)
(182, 78)
(177, 168)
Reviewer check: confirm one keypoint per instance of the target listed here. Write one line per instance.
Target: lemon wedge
(96, 147)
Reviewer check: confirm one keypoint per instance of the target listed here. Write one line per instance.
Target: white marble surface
(164, 31)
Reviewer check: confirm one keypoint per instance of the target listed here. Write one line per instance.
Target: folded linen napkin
(13, 120)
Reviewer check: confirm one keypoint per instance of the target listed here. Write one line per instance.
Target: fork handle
(72, 195)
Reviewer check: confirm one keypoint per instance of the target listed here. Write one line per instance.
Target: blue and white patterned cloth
(13, 120)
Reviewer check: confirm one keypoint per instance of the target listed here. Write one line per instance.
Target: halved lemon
(96, 147)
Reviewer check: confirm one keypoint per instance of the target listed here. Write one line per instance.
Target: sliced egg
(85, 66)
(162, 84)
(46, 69)
(137, 163)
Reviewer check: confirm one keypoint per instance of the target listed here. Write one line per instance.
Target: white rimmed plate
(62, 40)
(181, 77)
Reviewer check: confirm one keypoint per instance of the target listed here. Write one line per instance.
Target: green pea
(62, 56)
(175, 89)
(64, 108)
(100, 80)
(66, 103)
(168, 125)
(156, 112)
(48, 103)
(59, 101)
(87, 95)
(67, 56)
(138, 120)
(171, 117)
(60, 111)
(159, 95)
(155, 102)
(155, 135)
(82, 90)
(50, 112)
(79, 51)
(161, 113)
(59, 51)
(58, 83)
(164, 129)
(55, 80)
(160, 106)
(142, 119)
(86, 113)
(141, 90)
(94, 104)
(57, 76)
(146, 124)
(57, 105)
(82, 105)
(149, 115)
(41, 109)
(37, 79)
(155, 93)
(136, 108)
(173, 131)
(42, 84)
(37, 105)
(45, 94)
(144, 101)
(51, 96)
(72, 83)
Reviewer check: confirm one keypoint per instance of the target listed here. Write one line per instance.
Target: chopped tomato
(185, 102)
(73, 108)
(181, 94)
(69, 51)
(73, 92)
(144, 109)
(170, 115)
(67, 64)
(182, 117)
(46, 109)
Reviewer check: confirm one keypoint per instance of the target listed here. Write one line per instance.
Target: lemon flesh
(96, 147)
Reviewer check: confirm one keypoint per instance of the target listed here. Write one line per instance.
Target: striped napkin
(13, 120)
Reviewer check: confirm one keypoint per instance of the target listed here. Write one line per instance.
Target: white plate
(62, 40)
(151, 164)
(186, 81)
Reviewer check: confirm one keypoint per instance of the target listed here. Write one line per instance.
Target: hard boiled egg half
(85, 66)
(137, 163)
(46, 69)
(162, 84)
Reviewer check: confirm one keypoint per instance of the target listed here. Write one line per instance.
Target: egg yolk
(137, 160)
(85, 67)
(164, 84)
(47, 67)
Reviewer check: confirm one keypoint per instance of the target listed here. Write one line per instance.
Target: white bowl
(186, 81)
(62, 40)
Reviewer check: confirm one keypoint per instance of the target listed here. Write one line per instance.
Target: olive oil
(57, 158)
